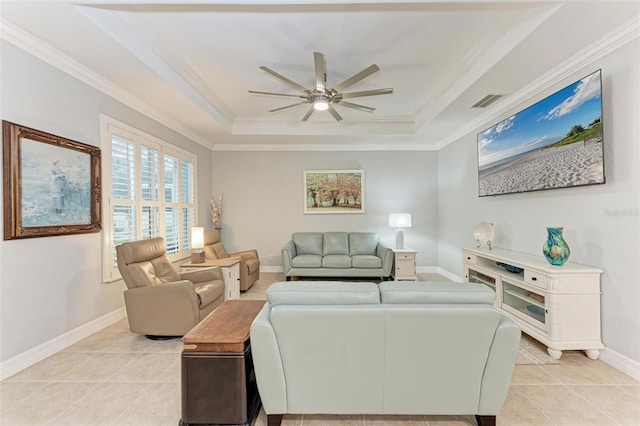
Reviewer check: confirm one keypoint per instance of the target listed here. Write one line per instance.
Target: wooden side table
(218, 382)
(404, 265)
(230, 274)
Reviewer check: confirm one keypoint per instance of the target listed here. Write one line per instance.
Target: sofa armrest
(386, 254)
(499, 368)
(288, 253)
(268, 364)
(163, 309)
(202, 275)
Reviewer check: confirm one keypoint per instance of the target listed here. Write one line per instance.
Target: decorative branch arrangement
(216, 211)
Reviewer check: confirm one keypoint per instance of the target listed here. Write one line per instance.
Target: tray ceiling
(192, 63)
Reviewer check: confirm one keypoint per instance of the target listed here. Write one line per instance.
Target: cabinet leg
(486, 420)
(554, 353)
(592, 353)
(274, 419)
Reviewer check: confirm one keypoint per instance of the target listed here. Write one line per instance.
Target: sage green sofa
(400, 348)
(336, 254)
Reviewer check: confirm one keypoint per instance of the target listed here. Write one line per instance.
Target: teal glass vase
(555, 249)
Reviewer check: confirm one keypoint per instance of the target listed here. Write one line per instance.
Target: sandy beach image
(575, 164)
(555, 143)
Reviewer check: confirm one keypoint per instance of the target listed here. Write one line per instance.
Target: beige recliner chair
(249, 262)
(159, 300)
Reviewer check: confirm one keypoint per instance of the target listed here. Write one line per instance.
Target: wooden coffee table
(218, 382)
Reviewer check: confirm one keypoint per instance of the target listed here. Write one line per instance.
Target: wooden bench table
(218, 382)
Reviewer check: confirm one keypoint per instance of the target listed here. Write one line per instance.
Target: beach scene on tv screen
(555, 143)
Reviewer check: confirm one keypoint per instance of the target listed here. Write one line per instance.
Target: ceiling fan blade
(357, 77)
(356, 106)
(308, 114)
(368, 93)
(288, 106)
(277, 94)
(333, 112)
(321, 70)
(284, 79)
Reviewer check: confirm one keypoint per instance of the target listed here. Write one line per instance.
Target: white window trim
(109, 126)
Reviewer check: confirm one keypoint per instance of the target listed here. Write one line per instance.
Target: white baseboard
(427, 269)
(621, 362)
(271, 269)
(26, 359)
(453, 277)
(438, 270)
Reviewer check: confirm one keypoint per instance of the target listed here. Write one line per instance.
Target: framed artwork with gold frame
(51, 184)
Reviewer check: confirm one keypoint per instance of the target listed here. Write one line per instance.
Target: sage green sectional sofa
(336, 254)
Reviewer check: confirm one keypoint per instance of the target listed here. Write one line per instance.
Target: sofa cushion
(443, 293)
(218, 248)
(336, 261)
(308, 242)
(366, 261)
(210, 253)
(323, 293)
(335, 243)
(307, 261)
(363, 243)
(154, 272)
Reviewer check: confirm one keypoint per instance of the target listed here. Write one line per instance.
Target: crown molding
(150, 50)
(595, 51)
(320, 147)
(380, 126)
(24, 40)
(483, 60)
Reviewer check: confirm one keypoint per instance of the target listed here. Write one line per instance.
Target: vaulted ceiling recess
(321, 98)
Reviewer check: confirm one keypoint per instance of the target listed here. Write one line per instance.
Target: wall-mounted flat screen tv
(555, 143)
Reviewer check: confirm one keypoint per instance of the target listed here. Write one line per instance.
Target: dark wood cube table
(218, 382)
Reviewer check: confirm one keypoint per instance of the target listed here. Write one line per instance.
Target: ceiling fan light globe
(320, 105)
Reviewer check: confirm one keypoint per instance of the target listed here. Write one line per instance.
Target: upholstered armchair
(249, 262)
(159, 300)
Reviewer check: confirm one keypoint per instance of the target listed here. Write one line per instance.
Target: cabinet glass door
(527, 304)
(480, 278)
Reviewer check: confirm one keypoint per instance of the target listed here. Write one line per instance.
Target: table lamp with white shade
(399, 221)
(197, 244)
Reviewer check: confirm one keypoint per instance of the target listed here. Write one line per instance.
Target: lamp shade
(197, 237)
(400, 220)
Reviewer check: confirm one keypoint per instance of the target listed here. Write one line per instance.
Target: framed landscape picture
(333, 191)
(51, 185)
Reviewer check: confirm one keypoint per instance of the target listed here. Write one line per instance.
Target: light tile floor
(115, 377)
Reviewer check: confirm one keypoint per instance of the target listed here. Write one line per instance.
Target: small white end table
(404, 265)
(230, 273)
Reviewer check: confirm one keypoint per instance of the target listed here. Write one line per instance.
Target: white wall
(50, 286)
(601, 223)
(264, 198)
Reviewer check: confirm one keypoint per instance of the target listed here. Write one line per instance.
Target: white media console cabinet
(556, 305)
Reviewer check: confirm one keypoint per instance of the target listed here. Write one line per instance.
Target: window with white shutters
(151, 192)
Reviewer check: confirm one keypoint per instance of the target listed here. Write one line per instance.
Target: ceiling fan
(321, 98)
